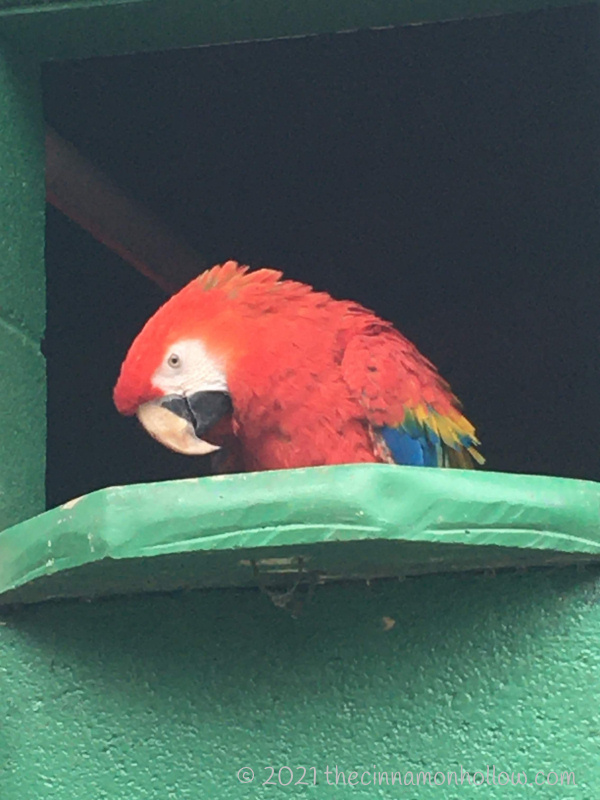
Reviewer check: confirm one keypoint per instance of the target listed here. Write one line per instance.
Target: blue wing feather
(411, 447)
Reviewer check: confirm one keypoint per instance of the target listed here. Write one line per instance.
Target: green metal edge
(84, 28)
(325, 523)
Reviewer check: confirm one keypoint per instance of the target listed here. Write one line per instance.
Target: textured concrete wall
(22, 292)
(169, 696)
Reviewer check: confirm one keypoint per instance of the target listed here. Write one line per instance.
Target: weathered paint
(310, 525)
(169, 696)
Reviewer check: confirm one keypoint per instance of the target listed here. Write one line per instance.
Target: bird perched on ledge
(267, 373)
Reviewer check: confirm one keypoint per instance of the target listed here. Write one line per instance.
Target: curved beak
(179, 422)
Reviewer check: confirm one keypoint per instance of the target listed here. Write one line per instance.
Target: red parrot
(268, 373)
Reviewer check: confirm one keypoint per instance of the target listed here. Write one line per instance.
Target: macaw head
(177, 374)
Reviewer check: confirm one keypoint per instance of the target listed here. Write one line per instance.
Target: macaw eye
(174, 361)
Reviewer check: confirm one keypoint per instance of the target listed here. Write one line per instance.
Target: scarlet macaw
(268, 373)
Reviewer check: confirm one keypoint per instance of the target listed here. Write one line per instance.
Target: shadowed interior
(443, 175)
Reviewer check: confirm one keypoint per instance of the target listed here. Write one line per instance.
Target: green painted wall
(22, 292)
(168, 696)
(81, 28)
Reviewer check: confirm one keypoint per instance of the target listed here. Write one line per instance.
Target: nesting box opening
(443, 175)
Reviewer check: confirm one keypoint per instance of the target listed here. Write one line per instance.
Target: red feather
(311, 378)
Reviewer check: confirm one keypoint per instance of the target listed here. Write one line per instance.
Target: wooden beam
(91, 199)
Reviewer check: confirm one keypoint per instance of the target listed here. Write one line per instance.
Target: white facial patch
(188, 368)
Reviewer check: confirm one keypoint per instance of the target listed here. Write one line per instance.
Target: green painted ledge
(316, 525)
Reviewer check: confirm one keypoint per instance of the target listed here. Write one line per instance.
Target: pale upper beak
(179, 422)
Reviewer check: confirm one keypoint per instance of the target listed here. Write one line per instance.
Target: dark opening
(443, 175)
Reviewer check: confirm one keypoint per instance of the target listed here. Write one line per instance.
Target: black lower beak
(202, 409)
